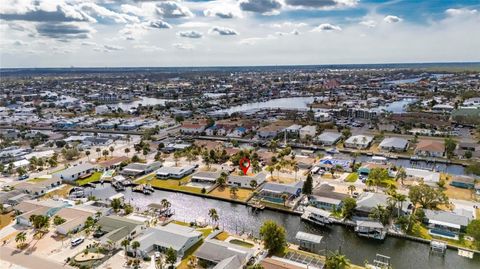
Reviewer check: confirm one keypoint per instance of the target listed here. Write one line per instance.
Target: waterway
(238, 218)
(302, 103)
(144, 101)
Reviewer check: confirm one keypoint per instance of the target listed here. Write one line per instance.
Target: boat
(118, 186)
(331, 150)
(371, 229)
(316, 216)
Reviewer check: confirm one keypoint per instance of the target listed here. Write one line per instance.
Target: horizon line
(234, 66)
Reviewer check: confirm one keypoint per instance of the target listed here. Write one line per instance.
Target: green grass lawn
(352, 177)
(172, 184)
(93, 178)
(241, 243)
(188, 254)
(35, 180)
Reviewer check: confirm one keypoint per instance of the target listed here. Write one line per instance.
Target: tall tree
(349, 205)
(336, 260)
(273, 236)
(308, 185)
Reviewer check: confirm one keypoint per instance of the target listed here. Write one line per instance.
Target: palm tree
(127, 150)
(87, 153)
(98, 150)
(233, 191)
(212, 213)
(159, 263)
(400, 199)
(21, 237)
(125, 243)
(222, 179)
(111, 149)
(270, 169)
(401, 174)
(273, 145)
(336, 261)
(351, 189)
(278, 167)
(135, 245)
(165, 203)
(253, 184)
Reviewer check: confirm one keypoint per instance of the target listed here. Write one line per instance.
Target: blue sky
(38, 33)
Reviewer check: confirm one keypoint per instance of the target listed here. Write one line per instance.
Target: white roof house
(359, 141)
(178, 237)
(244, 181)
(175, 172)
(429, 177)
(394, 144)
(328, 138)
(309, 130)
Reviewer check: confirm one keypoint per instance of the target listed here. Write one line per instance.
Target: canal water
(303, 102)
(237, 218)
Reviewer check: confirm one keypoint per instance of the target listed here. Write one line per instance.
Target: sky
(120, 33)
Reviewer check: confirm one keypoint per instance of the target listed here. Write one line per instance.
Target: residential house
(294, 129)
(394, 144)
(325, 197)
(238, 132)
(367, 167)
(193, 128)
(116, 228)
(138, 169)
(308, 131)
(358, 141)
(270, 131)
(75, 172)
(428, 177)
(328, 163)
(28, 208)
(367, 201)
(222, 255)
(430, 148)
(161, 238)
(74, 220)
(275, 262)
(245, 181)
(275, 192)
(39, 188)
(445, 224)
(175, 172)
(329, 138)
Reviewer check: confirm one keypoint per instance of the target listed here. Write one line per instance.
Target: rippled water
(237, 218)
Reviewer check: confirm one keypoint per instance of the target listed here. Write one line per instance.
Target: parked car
(23, 177)
(77, 241)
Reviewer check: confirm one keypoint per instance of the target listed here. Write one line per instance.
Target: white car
(77, 241)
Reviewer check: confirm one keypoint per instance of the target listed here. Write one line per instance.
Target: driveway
(12, 256)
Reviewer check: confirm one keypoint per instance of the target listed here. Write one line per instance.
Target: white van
(77, 241)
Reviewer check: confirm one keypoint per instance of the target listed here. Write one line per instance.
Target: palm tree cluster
(213, 214)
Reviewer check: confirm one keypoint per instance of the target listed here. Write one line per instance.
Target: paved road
(28, 260)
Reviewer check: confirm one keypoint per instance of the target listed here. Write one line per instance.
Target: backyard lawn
(241, 243)
(93, 178)
(61, 192)
(224, 192)
(352, 177)
(172, 184)
(5, 219)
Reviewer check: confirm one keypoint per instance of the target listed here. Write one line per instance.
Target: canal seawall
(297, 213)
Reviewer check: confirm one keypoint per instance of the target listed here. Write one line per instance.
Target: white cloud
(327, 27)
(321, 4)
(190, 34)
(182, 46)
(392, 19)
(223, 31)
(369, 23)
(172, 10)
(260, 6)
(460, 11)
(109, 48)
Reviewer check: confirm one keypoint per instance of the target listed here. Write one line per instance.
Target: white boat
(371, 229)
(317, 216)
